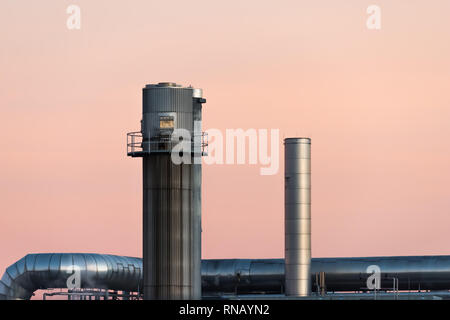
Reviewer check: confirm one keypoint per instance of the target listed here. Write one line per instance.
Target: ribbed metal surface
(342, 274)
(197, 200)
(51, 270)
(158, 100)
(168, 229)
(227, 276)
(297, 216)
(172, 199)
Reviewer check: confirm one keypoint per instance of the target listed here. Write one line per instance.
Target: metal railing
(137, 147)
(395, 288)
(93, 294)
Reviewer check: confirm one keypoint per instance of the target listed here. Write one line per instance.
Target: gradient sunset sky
(376, 104)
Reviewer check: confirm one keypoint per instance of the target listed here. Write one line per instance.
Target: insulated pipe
(245, 276)
(297, 208)
(52, 270)
(225, 276)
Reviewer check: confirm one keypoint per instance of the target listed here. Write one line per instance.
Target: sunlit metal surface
(222, 277)
(297, 221)
(52, 270)
(171, 192)
(342, 274)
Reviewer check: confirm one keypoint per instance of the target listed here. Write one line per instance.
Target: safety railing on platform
(137, 147)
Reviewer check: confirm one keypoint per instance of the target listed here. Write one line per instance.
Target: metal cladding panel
(296, 255)
(297, 272)
(298, 226)
(169, 244)
(29, 261)
(55, 262)
(102, 268)
(243, 270)
(91, 265)
(110, 267)
(79, 261)
(297, 284)
(164, 175)
(66, 263)
(21, 265)
(297, 196)
(297, 216)
(297, 241)
(6, 279)
(219, 276)
(298, 166)
(269, 273)
(172, 196)
(196, 229)
(4, 291)
(298, 181)
(44, 271)
(297, 148)
(167, 100)
(231, 276)
(342, 274)
(295, 211)
(12, 272)
(42, 262)
(41, 265)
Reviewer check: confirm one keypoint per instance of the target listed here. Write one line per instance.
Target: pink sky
(375, 103)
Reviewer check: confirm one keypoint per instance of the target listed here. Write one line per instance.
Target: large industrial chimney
(171, 191)
(297, 209)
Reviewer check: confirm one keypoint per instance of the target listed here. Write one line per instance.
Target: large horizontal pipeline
(245, 276)
(241, 276)
(52, 270)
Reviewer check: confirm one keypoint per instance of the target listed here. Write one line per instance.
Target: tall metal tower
(297, 207)
(171, 118)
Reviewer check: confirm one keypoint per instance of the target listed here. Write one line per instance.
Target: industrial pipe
(297, 208)
(52, 270)
(227, 276)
